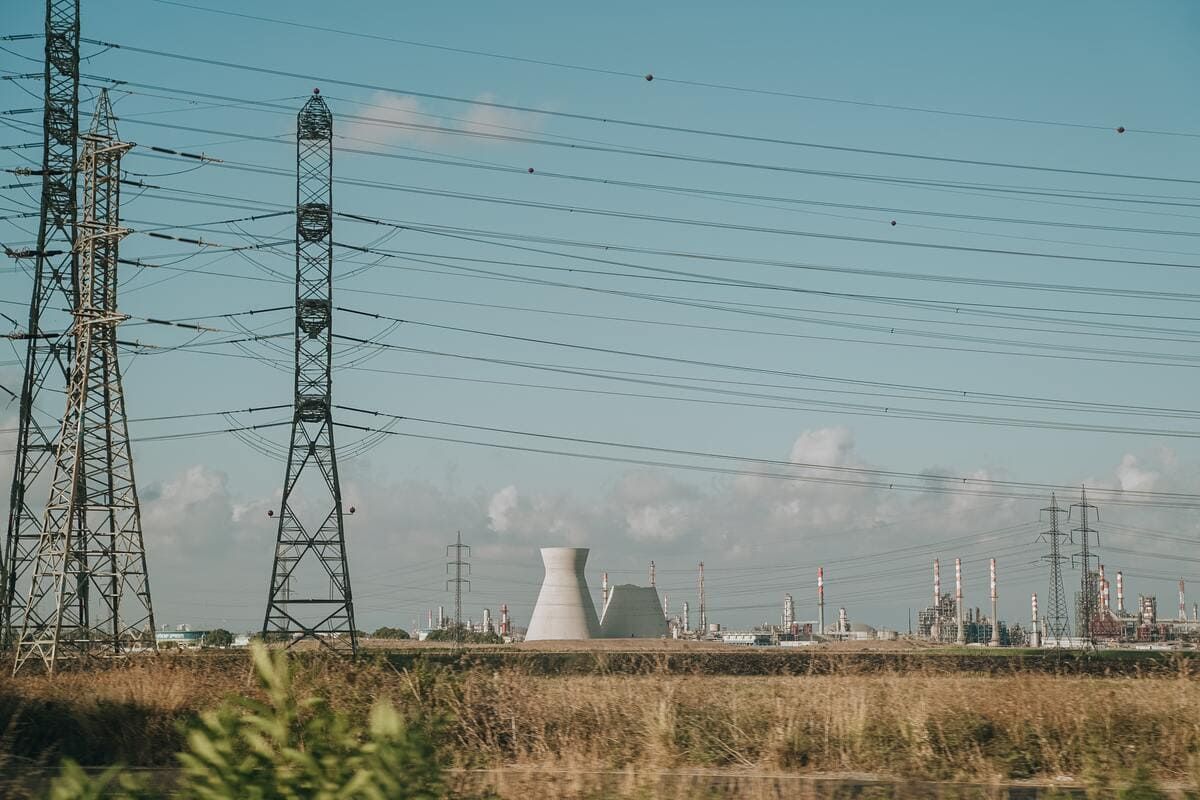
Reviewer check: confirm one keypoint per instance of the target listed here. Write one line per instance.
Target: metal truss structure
(90, 592)
(55, 275)
(310, 595)
(1085, 558)
(1057, 611)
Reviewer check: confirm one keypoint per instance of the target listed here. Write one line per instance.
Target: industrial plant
(564, 609)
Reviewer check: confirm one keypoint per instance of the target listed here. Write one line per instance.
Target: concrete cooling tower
(633, 611)
(564, 608)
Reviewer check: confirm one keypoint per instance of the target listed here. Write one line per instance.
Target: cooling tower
(633, 611)
(564, 608)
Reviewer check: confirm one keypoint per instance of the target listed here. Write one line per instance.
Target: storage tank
(564, 608)
(633, 612)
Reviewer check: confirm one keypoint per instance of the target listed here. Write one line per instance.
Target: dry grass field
(593, 735)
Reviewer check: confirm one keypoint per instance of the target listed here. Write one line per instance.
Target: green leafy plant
(284, 749)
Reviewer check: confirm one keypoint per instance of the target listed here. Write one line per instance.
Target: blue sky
(1106, 64)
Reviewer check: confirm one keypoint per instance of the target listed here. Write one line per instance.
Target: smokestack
(441, 617)
(1035, 639)
(995, 613)
(687, 618)
(1103, 591)
(651, 573)
(505, 624)
(937, 583)
(667, 605)
(958, 597)
(1195, 612)
(487, 620)
(843, 622)
(1182, 603)
(821, 600)
(789, 612)
(703, 615)
(603, 592)
(1120, 593)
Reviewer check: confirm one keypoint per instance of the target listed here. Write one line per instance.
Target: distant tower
(1035, 632)
(90, 593)
(821, 600)
(1085, 558)
(603, 591)
(935, 628)
(1182, 603)
(1103, 587)
(789, 613)
(687, 618)
(651, 573)
(666, 605)
(958, 601)
(1120, 593)
(1057, 611)
(310, 543)
(995, 613)
(505, 623)
(487, 621)
(703, 613)
(458, 554)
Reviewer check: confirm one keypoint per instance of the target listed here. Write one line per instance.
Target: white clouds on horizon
(210, 547)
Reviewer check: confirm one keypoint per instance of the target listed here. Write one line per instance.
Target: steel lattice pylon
(90, 592)
(1088, 583)
(1057, 610)
(310, 545)
(48, 350)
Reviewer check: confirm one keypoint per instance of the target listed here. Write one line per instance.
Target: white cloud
(393, 119)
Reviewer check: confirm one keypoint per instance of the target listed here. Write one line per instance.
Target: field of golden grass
(505, 728)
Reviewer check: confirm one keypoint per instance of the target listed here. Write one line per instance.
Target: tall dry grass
(581, 731)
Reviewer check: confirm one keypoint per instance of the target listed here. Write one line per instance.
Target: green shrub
(284, 749)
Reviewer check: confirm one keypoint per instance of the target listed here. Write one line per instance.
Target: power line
(638, 124)
(680, 81)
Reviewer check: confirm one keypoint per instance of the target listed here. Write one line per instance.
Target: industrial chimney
(1035, 634)
(958, 598)
(821, 600)
(995, 613)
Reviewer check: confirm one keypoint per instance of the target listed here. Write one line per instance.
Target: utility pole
(310, 543)
(1057, 613)
(47, 345)
(90, 592)
(458, 564)
(1084, 558)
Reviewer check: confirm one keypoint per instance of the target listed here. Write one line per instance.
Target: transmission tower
(47, 352)
(90, 592)
(1057, 611)
(457, 563)
(310, 581)
(1084, 559)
